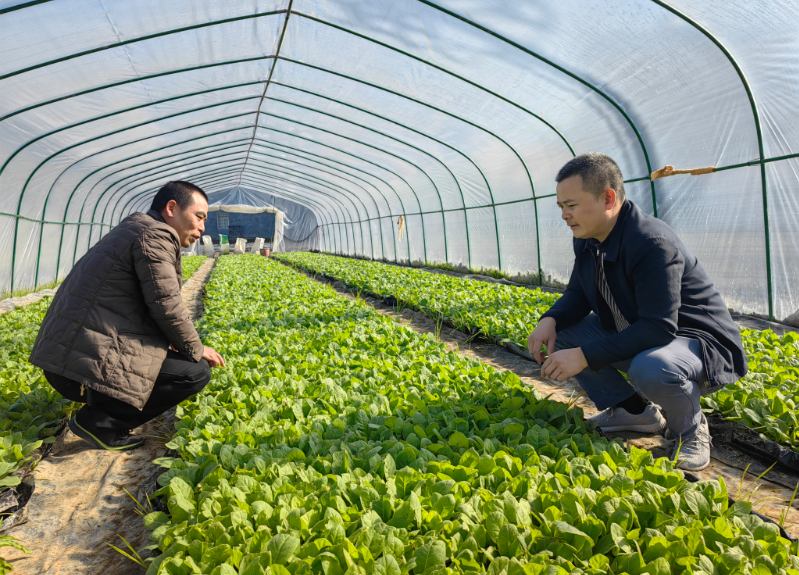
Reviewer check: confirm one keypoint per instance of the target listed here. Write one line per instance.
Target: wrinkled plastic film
(784, 218)
(369, 118)
(518, 240)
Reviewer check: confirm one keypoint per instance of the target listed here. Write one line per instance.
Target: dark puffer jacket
(112, 320)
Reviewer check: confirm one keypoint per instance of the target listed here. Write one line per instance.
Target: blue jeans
(671, 376)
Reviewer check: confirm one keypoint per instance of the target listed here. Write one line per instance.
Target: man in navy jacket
(638, 302)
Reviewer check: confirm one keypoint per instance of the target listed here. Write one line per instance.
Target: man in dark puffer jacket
(106, 338)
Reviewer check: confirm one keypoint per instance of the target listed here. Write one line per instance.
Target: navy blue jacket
(662, 291)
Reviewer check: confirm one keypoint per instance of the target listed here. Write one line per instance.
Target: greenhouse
(382, 237)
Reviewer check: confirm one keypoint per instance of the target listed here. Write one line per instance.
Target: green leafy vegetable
(503, 311)
(30, 410)
(190, 265)
(337, 441)
(766, 398)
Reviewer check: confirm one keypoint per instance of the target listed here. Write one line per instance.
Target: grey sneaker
(619, 419)
(693, 452)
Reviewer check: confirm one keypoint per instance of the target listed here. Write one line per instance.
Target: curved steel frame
(762, 160)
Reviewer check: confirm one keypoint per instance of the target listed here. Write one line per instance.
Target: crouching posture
(637, 302)
(105, 340)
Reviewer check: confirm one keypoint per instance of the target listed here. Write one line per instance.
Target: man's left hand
(563, 364)
(213, 358)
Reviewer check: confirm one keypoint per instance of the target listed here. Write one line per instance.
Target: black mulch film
(744, 439)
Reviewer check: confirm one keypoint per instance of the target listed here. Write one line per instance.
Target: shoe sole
(81, 432)
(680, 466)
(654, 428)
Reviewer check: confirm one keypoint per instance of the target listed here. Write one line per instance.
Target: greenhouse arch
(453, 116)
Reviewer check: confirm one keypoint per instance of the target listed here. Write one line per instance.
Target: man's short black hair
(598, 171)
(180, 191)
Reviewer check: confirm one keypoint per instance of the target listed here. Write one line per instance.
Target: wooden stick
(670, 171)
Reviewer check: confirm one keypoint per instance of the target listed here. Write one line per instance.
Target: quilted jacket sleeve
(155, 255)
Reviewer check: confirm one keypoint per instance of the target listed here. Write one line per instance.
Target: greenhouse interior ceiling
(410, 130)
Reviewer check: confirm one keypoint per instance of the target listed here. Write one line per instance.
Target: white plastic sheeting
(208, 246)
(454, 114)
(242, 202)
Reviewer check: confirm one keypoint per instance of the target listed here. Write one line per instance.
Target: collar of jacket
(611, 245)
(159, 218)
(156, 216)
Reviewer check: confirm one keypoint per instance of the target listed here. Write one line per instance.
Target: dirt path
(769, 495)
(80, 504)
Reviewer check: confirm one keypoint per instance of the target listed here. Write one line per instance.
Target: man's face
(188, 223)
(586, 215)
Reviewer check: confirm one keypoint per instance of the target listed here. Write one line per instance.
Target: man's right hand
(544, 334)
(213, 358)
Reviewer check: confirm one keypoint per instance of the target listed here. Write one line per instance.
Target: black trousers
(105, 416)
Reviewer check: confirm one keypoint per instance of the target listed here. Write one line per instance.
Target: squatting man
(117, 336)
(637, 302)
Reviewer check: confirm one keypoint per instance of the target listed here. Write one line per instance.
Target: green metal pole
(83, 205)
(759, 133)
(410, 129)
(143, 39)
(30, 177)
(380, 166)
(572, 75)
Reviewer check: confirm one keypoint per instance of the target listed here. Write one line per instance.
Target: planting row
(498, 310)
(337, 441)
(766, 400)
(190, 265)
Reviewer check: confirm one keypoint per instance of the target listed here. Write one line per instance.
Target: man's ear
(610, 198)
(169, 208)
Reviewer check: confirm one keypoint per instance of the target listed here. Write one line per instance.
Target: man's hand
(213, 358)
(564, 363)
(543, 334)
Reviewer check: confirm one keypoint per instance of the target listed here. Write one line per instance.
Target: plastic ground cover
(339, 441)
(75, 480)
(31, 411)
